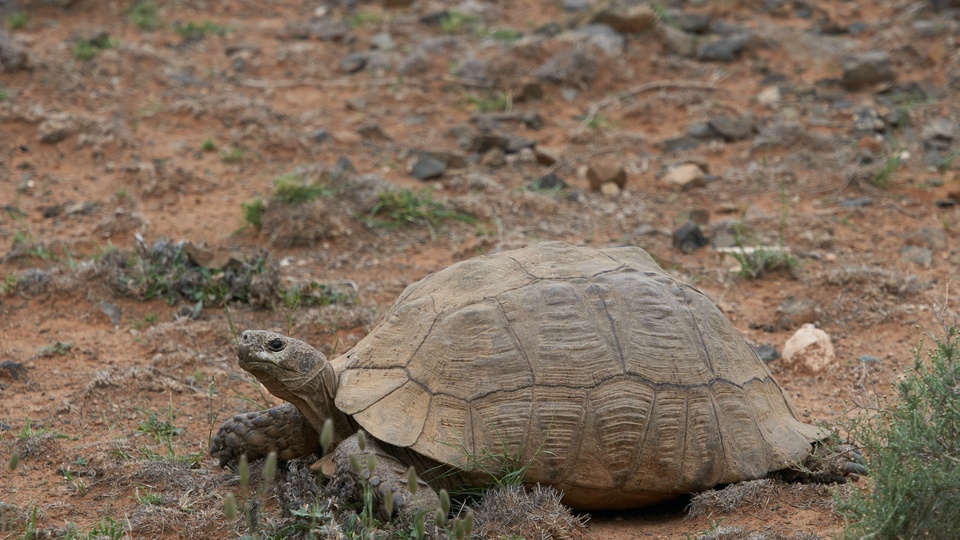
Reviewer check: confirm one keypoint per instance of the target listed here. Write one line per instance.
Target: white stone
(809, 350)
(685, 176)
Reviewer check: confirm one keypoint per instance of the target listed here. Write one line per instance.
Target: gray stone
(702, 130)
(453, 160)
(855, 202)
(767, 353)
(868, 119)
(382, 41)
(694, 23)
(689, 238)
(574, 5)
(934, 239)
(12, 56)
(940, 129)
(515, 143)
(427, 168)
(353, 62)
(733, 129)
(868, 359)
(319, 135)
(917, 255)
(723, 49)
(677, 41)
(577, 66)
(547, 155)
(603, 37)
(679, 144)
(547, 182)
(867, 69)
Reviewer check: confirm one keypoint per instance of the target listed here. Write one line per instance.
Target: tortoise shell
(598, 371)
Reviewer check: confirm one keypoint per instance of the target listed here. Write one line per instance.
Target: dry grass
(512, 512)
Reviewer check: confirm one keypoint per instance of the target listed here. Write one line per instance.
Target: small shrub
(506, 35)
(87, 49)
(494, 103)
(405, 206)
(362, 19)
(758, 261)
(913, 451)
(192, 31)
(294, 189)
(145, 15)
(208, 145)
(234, 154)
(882, 176)
(253, 212)
(3, 95)
(17, 20)
(455, 22)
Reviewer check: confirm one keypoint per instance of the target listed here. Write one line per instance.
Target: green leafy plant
(758, 261)
(208, 145)
(882, 175)
(234, 154)
(17, 20)
(912, 449)
(87, 49)
(191, 31)
(56, 348)
(162, 432)
(501, 101)
(3, 95)
(404, 206)
(293, 188)
(253, 212)
(506, 35)
(145, 15)
(363, 19)
(456, 21)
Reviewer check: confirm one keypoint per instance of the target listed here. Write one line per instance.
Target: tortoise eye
(276, 345)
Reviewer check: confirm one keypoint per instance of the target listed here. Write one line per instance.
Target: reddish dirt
(141, 110)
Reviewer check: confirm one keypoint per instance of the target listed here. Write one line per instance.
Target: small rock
(602, 37)
(602, 172)
(453, 160)
(795, 312)
(723, 49)
(611, 190)
(689, 238)
(940, 129)
(867, 69)
(917, 255)
(427, 168)
(934, 239)
(767, 353)
(495, 157)
(695, 23)
(516, 143)
(547, 155)
(356, 103)
(809, 351)
(679, 144)
(548, 181)
(574, 5)
(530, 91)
(685, 176)
(868, 359)
(111, 311)
(12, 56)
(855, 202)
(319, 135)
(198, 254)
(677, 41)
(769, 97)
(346, 137)
(868, 119)
(353, 62)
(702, 130)
(15, 369)
(372, 132)
(733, 129)
(631, 20)
(382, 41)
(482, 142)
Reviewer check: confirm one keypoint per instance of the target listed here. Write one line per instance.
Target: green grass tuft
(913, 452)
(145, 15)
(404, 206)
(17, 20)
(294, 189)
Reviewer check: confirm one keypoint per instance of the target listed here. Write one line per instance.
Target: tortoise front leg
(281, 429)
(388, 474)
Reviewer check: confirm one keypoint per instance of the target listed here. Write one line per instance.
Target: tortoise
(596, 371)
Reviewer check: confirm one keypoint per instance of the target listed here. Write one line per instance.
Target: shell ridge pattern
(722, 444)
(642, 443)
(682, 296)
(516, 339)
(613, 327)
(426, 336)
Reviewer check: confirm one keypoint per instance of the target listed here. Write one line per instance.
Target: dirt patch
(132, 130)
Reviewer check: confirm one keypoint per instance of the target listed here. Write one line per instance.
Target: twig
(646, 87)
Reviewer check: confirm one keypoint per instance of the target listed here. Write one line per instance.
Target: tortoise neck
(315, 400)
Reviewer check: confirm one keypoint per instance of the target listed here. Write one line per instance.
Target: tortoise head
(291, 370)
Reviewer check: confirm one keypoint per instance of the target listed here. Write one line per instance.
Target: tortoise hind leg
(281, 429)
(388, 474)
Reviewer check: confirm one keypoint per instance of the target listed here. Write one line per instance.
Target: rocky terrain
(172, 172)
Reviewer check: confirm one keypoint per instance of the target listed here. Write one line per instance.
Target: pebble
(547, 155)
(809, 350)
(733, 129)
(795, 312)
(685, 176)
(867, 69)
(767, 353)
(723, 49)
(548, 181)
(630, 20)
(769, 97)
(689, 237)
(495, 157)
(940, 129)
(677, 41)
(373, 132)
(382, 41)
(602, 172)
(427, 168)
(353, 62)
(611, 190)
